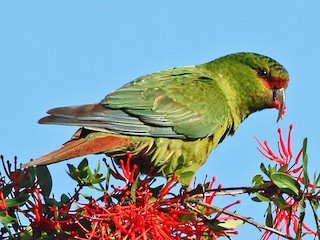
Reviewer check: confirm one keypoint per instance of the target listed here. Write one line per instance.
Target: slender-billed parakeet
(171, 120)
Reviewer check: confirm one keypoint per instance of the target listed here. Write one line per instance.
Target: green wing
(178, 103)
(183, 103)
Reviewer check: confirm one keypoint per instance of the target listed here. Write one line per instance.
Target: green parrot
(171, 120)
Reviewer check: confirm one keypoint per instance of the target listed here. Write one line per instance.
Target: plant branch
(247, 220)
(230, 191)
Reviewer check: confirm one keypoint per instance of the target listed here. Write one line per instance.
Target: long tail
(81, 147)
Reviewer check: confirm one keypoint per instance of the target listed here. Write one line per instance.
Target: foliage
(140, 209)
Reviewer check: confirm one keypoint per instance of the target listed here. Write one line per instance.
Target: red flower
(138, 211)
(287, 218)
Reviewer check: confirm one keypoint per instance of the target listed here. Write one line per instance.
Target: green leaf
(73, 172)
(86, 196)
(96, 171)
(272, 170)
(316, 181)
(44, 179)
(255, 199)
(219, 226)
(286, 183)
(231, 224)
(187, 217)
(314, 206)
(283, 168)
(52, 202)
(107, 178)
(305, 177)
(280, 202)
(302, 208)
(83, 168)
(18, 201)
(6, 190)
(64, 199)
(269, 217)
(83, 165)
(6, 219)
(257, 180)
(260, 198)
(31, 177)
(84, 176)
(134, 187)
(263, 169)
(213, 224)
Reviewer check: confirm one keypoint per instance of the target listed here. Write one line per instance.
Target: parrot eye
(263, 73)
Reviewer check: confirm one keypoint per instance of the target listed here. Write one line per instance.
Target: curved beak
(279, 97)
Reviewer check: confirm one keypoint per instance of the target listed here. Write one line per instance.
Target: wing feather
(176, 103)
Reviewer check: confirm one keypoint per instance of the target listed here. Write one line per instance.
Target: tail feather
(81, 147)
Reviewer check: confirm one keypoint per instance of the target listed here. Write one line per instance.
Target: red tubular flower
(286, 219)
(284, 155)
(140, 212)
(3, 206)
(137, 210)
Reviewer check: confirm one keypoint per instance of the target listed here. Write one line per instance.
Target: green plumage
(174, 118)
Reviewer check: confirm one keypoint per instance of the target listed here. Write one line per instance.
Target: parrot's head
(261, 80)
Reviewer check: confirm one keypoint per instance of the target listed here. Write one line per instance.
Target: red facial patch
(277, 83)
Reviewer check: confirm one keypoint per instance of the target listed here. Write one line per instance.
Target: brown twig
(245, 219)
(230, 191)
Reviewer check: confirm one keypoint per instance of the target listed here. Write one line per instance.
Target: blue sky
(60, 53)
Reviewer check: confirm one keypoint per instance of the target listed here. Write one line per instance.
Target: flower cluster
(135, 210)
(284, 188)
(140, 209)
